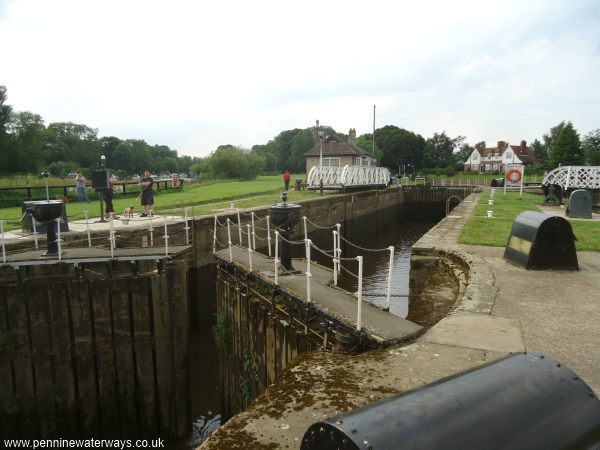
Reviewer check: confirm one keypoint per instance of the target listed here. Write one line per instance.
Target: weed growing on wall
(222, 330)
(249, 374)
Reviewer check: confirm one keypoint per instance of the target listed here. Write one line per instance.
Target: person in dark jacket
(147, 195)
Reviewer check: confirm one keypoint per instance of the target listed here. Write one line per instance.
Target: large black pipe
(524, 401)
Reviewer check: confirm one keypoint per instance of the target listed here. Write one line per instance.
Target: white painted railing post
(359, 293)
(253, 231)
(276, 261)
(389, 284)
(229, 240)
(307, 243)
(166, 237)
(239, 226)
(305, 229)
(2, 239)
(58, 237)
(151, 232)
(269, 234)
(215, 236)
(187, 227)
(339, 246)
(249, 248)
(35, 236)
(87, 227)
(335, 263)
(111, 239)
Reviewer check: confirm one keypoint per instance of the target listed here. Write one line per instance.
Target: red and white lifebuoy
(514, 176)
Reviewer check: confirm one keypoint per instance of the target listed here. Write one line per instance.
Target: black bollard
(285, 216)
(47, 212)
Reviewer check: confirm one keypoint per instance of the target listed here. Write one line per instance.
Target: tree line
(27, 145)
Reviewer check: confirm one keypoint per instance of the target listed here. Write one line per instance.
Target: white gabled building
(494, 159)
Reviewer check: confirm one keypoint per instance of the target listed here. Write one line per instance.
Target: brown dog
(128, 212)
(64, 199)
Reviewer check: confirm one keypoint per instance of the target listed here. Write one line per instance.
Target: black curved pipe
(523, 401)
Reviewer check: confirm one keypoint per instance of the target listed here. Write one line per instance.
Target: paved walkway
(556, 312)
(381, 327)
(504, 309)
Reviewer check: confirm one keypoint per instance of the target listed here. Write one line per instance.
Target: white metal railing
(83, 235)
(2, 239)
(574, 177)
(349, 175)
(335, 255)
(329, 175)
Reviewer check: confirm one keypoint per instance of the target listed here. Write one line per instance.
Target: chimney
(523, 146)
(352, 136)
(501, 145)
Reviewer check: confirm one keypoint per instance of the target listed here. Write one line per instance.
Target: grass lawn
(481, 230)
(206, 198)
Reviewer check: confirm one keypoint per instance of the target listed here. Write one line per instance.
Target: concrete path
(504, 309)
(556, 312)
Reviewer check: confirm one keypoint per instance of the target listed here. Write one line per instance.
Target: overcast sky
(197, 74)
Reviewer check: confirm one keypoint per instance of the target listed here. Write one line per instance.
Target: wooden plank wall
(266, 342)
(103, 358)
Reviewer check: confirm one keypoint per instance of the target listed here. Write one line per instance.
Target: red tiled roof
(525, 154)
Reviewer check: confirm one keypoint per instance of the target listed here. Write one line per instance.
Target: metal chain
(319, 226)
(321, 251)
(363, 248)
(347, 271)
(291, 242)
(219, 222)
(385, 295)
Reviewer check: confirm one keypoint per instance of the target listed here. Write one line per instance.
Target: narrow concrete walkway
(380, 326)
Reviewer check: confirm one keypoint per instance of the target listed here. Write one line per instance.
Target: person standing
(147, 195)
(108, 198)
(286, 179)
(82, 194)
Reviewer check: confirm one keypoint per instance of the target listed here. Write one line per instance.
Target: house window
(358, 161)
(331, 162)
(508, 154)
(474, 157)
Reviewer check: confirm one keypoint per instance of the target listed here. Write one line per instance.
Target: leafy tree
(61, 168)
(27, 132)
(108, 145)
(268, 155)
(591, 147)
(301, 143)
(73, 142)
(566, 150)
(365, 141)
(439, 149)
(228, 161)
(400, 147)
(463, 153)
(540, 151)
(5, 148)
(549, 139)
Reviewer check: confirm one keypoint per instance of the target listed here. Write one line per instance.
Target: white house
(494, 159)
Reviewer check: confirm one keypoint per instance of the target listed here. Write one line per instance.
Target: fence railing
(120, 187)
(247, 240)
(166, 227)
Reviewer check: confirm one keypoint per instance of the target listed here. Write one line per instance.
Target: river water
(204, 370)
